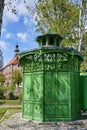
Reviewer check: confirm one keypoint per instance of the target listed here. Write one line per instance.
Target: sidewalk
(16, 122)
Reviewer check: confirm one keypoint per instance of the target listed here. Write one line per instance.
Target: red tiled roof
(13, 61)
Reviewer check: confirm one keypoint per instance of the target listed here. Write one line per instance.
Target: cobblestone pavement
(15, 122)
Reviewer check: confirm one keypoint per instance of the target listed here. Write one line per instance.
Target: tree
(56, 16)
(17, 77)
(2, 89)
(84, 51)
(2, 79)
(59, 16)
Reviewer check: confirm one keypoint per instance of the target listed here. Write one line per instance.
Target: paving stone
(16, 122)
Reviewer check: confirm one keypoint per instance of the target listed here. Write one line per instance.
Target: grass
(10, 102)
(10, 107)
(5, 113)
(2, 112)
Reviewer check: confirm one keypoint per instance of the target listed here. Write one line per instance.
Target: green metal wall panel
(50, 87)
(51, 96)
(33, 96)
(60, 104)
(83, 86)
(63, 86)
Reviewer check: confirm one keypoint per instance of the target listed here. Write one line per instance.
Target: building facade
(1, 59)
(8, 70)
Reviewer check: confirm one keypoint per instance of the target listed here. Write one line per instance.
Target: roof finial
(16, 49)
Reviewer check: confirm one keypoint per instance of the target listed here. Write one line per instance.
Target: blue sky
(19, 28)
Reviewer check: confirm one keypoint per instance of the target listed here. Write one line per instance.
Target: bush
(20, 96)
(2, 93)
(11, 96)
(11, 88)
(9, 92)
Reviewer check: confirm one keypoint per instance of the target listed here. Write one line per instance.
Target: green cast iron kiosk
(51, 81)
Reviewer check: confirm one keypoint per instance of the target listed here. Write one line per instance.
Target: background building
(1, 59)
(10, 67)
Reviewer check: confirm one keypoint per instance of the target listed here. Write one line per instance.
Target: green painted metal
(51, 84)
(83, 85)
(49, 39)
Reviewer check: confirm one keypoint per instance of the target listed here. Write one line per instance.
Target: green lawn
(10, 107)
(2, 112)
(10, 102)
(6, 112)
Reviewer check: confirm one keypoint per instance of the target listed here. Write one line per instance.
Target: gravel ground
(15, 122)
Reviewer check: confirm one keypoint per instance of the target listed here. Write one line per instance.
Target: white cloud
(8, 35)
(3, 30)
(21, 9)
(3, 44)
(26, 21)
(22, 36)
(8, 16)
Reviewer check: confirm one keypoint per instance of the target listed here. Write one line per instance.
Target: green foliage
(10, 102)
(11, 88)
(84, 51)
(59, 17)
(17, 77)
(62, 17)
(20, 97)
(2, 112)
(11, 96)
(2, 92)
(2, 79)
(11, 110)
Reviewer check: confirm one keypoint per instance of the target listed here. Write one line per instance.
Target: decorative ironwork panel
(38, 62)
(63, 86)
(50, 110)
(62, 57)
(62, 109)
(33, 95)
(75, 89)
(27, 82)
(28, 67)
(73, 63)
(50, 87)
(37, 110)
(50, 61)
(37, 84)
(27, 108)
(49, 57)
(75, 110)
(33, 87)
(73, 86)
